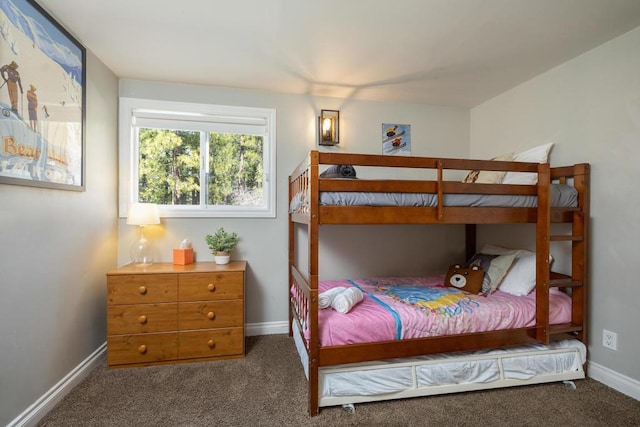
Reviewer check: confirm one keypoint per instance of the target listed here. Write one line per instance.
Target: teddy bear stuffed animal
(466, 279)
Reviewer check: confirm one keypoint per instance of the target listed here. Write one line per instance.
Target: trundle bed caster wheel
(569, 384)
(349, 408)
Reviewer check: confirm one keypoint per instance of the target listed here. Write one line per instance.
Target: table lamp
(142, 214)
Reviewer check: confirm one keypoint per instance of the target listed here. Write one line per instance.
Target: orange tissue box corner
(183, 256)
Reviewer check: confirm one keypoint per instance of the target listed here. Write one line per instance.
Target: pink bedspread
(414, 307)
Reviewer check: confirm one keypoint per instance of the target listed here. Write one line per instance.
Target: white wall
(56, 247)
(590, 107)
(436, 131)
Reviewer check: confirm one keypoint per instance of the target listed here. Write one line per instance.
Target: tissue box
(183, 256)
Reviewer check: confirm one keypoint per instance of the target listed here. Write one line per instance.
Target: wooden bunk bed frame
(303, 309)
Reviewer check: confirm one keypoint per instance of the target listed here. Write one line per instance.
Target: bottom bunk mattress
(395, 308)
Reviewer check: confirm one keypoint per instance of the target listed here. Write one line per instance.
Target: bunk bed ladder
(577, 281)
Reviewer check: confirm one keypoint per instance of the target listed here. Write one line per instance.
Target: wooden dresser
(168, 313)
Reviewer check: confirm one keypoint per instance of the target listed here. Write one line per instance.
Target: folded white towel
(326, 298)
(346, 300)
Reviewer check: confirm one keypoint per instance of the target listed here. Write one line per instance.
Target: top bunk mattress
(397, 308)
(560, 195)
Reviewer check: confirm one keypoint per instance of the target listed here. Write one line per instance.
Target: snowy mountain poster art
(396, 139)
(42, 100)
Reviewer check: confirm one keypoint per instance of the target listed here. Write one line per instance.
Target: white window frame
(194, 116)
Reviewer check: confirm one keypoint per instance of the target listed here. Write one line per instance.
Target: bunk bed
(315, 200)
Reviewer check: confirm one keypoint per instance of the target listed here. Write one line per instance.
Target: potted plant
(221, 243)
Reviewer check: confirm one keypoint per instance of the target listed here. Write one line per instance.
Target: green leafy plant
(222, 241)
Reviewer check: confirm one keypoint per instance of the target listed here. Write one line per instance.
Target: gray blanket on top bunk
(561, 195)
(339, 171)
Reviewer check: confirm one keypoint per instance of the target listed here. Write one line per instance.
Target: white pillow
(539, 154)
(521, 276)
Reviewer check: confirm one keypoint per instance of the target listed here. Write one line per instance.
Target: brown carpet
(268, 388)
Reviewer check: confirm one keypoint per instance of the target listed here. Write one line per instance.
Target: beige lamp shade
(143, 214)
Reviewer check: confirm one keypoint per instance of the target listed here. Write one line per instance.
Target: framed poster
(42, 100)
(396, 139)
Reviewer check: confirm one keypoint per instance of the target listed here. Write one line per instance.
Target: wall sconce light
(329, 127)
(142, 214)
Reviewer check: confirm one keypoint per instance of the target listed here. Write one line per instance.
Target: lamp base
(142, 253)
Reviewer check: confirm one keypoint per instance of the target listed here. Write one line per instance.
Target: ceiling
(440, 52)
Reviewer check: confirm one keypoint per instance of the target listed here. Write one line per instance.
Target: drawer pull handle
(211, 287)
(211, 343)
(211, 315)
(142, 349)
(142, 290)
(142, 319)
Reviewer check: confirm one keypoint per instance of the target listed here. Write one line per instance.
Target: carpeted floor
(268, 388)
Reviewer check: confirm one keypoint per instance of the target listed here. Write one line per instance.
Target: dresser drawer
(144, 348)
(210, 286)
(141, 318)
(211, 314)
(141, 288)
(211, 343)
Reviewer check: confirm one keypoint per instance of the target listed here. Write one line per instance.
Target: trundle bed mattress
(448, 372)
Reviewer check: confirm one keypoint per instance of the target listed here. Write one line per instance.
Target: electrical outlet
(609, 339)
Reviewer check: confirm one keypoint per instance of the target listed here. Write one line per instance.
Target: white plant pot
(222, 258)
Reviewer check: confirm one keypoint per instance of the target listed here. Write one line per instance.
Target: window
(197, 160)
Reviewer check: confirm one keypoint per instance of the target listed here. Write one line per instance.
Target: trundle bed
(393, 355)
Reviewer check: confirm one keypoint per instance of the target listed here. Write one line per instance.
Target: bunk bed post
(543, 237)
(579, 250)
(312, 227)
(291, 257)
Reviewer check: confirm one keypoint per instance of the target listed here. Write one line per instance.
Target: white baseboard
(34, 413)
(270, 328)
(613, 379)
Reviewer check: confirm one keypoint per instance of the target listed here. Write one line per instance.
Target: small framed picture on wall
(396, 139)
